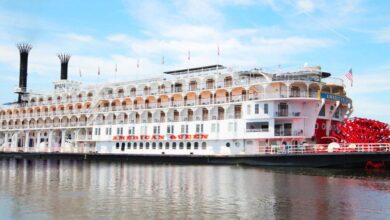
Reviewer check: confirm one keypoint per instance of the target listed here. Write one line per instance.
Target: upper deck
(211, 85)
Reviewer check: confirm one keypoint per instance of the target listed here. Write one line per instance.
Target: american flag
(349, 75)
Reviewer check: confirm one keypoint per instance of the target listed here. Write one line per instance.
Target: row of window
(161, 145)
(199, 128)
(257, 109)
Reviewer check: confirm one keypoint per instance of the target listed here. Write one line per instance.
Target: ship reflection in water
(67, 189)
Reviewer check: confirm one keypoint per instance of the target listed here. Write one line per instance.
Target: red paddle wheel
(362, 130)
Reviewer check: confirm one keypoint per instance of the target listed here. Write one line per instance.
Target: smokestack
(64, 58)
(24, 49)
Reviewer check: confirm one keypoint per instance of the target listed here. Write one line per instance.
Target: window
(196, 146)
(204, 145)
(147, 145)
(316, 126)
(108, 131)
(282, 109)
(199, 128)
(323, 126)
(135, 145)
(227, 144)
(119, 131)
(141, 145)
(256, 109)
(123, 147)
(188, 145)
(129, 146)
(174, 145)
(160, 145)
(117, 145)
(154, 145)
(322, 111)
(170, 129)
(230, 126)
(156, 129)
(167, 145)
(181, 146)
(257, 126)
(184, 129)
(337, 113)
(266, 108)
(131, 130)
(97, 131)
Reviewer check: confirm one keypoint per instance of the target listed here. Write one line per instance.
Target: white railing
(325, 149)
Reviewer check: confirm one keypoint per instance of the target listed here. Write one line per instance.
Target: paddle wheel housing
(362, 130)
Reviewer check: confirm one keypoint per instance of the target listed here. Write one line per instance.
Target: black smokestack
(24, 49)
(64, 58)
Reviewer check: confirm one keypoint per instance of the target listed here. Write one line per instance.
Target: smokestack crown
(64, 57)
(24, 47)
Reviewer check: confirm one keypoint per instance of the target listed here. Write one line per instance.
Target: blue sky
(250, 33)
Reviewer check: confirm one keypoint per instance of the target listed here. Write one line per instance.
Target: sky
(269, 34)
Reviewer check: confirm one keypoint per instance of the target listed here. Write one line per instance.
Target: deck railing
(325, 149)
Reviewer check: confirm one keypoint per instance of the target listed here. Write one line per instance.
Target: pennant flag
(349, 76)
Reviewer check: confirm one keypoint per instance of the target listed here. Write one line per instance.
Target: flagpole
(218, 57)
(116, 70)
(162, 66)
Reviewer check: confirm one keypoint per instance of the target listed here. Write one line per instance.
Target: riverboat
(204, 114)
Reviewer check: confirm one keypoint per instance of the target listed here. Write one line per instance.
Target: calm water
(54, 189)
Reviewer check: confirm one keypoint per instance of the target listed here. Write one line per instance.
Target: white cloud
(383, 35)
(305, 6)
(80, 38)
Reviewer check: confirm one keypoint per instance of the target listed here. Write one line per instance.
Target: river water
(68, 189)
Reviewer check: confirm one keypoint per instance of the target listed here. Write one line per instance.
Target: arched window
(174, 145)
(135, 145)
(160, 145)
(188, 145)
(147, 145)
(167, 145)
(204, 145)
(196, 145)
(154, 145)
(141, 145)
(123, 147)
(181, 146)
(129, 145)
(117, 145)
